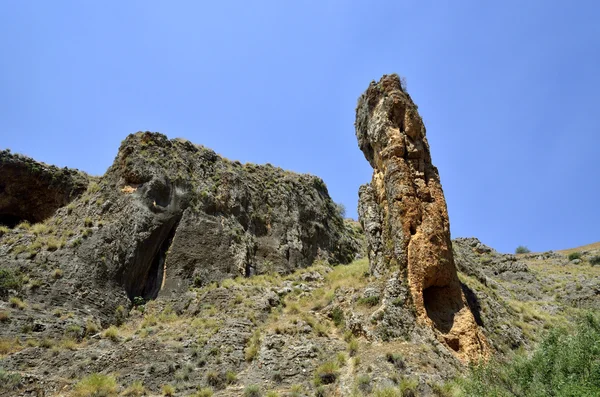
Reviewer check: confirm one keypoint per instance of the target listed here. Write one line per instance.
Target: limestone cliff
(404, 215)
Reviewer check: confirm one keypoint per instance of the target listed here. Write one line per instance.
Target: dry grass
(96, 385)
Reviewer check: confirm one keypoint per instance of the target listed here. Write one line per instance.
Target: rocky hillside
(182, 273)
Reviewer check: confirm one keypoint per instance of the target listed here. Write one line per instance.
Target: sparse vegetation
(564, 364)
(96, 385)
(253, 346)
(252, 391)
(369, 301)
(574, 255)
(112, 333)
(9, 280)
(9, 380)
(326, 373)
(168, 390)
(595, 260)
(17, 303)
(3, 230)
(521, 249)
(136, 389)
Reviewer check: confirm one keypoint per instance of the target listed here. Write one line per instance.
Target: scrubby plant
(326, 373)
(3, 230)
(253, 346)
(204, 392)
(595, 260)
(168, 390)
(9, 280)
(521, 249)
(566, 363)
(337, 315)
(574, 255)
(136, 389)
(252, 391)
(296, 390)
(9, 380)
(17, 303)
(96, 385)
(352, 346)
(395, 359)
(91, 328)
(214, 379)
(369, 301)
(363, 383)
(230, 377)
(112, 333)
(8, 345)
(4, 316)
(388, 391)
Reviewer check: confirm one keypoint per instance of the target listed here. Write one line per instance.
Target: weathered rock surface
(32, 191)
(167, 215)
(404, 215)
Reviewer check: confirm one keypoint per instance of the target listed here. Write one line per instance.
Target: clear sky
(509, 92)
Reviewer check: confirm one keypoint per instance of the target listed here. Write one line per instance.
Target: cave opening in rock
(11, 220)
(441, 305)
(144, 278)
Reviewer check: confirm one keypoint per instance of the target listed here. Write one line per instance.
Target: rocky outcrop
(168, 215)
(404, 215)
(32, 191)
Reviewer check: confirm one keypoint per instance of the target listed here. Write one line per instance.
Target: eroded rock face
(404, 215)
(167, 215)
(32, 191)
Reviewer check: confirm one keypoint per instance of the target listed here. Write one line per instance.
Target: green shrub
(369, 301)
(230, 377)
(9, 280)
(595, 260)
(574, 255)
(96, 385)
(4, 316)
(337, 315)
(521, 249)
(326, 373)
(363, 383)
(252, 391)
(564, 364)
(352, 346)
(9, 380)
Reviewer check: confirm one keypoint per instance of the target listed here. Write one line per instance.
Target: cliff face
(404, 215)
(31, 191)
(168, 215)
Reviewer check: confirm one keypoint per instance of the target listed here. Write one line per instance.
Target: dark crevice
(145, 275)
(473, 303)
(12, 220)
(155, 275)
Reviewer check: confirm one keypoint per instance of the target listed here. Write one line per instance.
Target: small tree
(521, 249)
(341, 208)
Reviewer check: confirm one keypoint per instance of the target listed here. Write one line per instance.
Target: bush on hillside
(564, 364)
(521, 249)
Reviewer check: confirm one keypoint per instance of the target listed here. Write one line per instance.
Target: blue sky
(509, 92)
